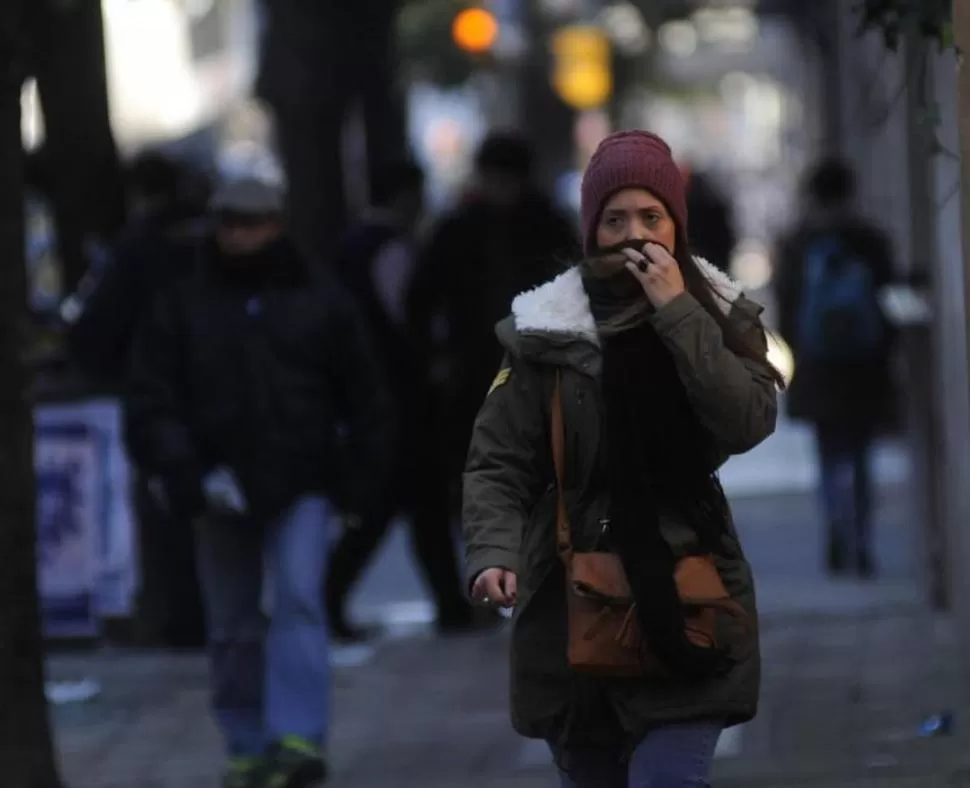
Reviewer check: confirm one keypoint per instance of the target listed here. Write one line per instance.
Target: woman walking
(591, 500)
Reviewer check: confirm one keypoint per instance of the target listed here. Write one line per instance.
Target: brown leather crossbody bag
(604, 636)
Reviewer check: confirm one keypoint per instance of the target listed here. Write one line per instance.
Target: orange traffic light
(475, 30)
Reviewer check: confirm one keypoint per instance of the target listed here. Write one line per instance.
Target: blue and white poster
(69, 509)
(84, 516)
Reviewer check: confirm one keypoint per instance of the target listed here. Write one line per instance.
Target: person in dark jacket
(255, 401)
(831, 268)
(663, 375)
(154, 251)
(506, 237)
(376, 261)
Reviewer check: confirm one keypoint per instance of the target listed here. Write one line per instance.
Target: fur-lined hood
(561, 305)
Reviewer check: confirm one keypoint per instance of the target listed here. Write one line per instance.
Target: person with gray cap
(254, 399)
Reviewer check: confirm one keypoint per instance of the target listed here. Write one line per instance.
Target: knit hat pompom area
(629, 160)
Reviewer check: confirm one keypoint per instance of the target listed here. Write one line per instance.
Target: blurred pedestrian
(831, 268)
(591, 500)
(242, 380)
(376, 260)
(506, 237)
(155, 250)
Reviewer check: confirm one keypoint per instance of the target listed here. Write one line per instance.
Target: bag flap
(602, 573)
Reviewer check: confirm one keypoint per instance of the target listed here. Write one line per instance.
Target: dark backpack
(839, 319)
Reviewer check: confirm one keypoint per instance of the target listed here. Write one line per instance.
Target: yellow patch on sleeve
(500, 379)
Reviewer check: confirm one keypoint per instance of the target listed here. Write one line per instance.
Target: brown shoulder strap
(558, 432)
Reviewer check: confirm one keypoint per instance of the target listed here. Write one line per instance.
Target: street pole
(961, 35)
(921, 395)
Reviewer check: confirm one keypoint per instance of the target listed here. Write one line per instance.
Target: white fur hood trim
(561, 306)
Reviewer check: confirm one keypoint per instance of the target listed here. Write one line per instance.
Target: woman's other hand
(495, 587)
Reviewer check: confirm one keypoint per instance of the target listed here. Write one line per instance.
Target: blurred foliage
(932, 20)
(426, 45)
(892, 18)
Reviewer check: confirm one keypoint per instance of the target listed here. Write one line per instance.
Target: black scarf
(658, 460)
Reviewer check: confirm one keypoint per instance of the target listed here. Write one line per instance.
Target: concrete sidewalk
(843, 701)
(851, 669)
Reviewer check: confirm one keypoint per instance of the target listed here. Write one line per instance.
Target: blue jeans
(671, 756)
(846, 487)
(268, 680)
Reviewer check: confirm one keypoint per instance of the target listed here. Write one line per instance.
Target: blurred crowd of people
(423, 298)
(280, 415)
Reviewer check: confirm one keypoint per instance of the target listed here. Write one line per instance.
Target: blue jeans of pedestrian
(671, 756)
(845, 484)
(269, 680)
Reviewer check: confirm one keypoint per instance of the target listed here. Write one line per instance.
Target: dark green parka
(509, 493)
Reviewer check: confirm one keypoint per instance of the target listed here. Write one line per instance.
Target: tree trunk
(547, 122)
(26, 751)
(320, 62)
(961, 30)
(80, 169)
(382, 90)
(957, 458)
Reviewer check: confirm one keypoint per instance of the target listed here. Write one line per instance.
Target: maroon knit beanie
(631, 159)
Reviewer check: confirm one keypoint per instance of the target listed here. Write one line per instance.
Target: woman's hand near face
(658, 273)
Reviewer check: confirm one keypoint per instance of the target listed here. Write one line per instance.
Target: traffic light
(475, 30)
(582, 72)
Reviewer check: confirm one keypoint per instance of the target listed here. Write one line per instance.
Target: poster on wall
(115, 545)
(69, 511)
(117, 551)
